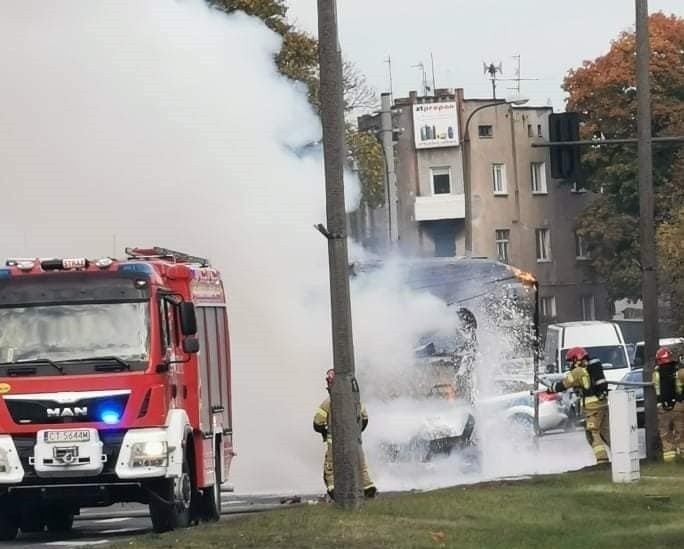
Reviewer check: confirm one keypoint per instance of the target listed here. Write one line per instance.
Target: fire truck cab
(115, 386)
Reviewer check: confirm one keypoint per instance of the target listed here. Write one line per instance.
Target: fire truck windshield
(117, 333)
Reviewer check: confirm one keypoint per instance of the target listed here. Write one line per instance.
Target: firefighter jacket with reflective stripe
(322, 419)
(590, 380)
(668, 384)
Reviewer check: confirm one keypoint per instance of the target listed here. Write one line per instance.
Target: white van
(676, 344)
(602, 340)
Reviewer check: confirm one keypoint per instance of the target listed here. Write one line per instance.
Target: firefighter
(321, 424)
(587, 376)
(668, 378)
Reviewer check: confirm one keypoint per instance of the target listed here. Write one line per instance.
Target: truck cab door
(171, 345)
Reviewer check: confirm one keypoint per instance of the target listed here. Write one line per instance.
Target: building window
(547, 304)
(503, 237)
(441, 180)
(530, 133)
(588, 309)
(538, 177)
(581, 249)
(485, 131)
(499, 178)
(543, 245)
(539, 131)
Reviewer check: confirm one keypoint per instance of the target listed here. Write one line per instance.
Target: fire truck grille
(111, 444)
(49, 412)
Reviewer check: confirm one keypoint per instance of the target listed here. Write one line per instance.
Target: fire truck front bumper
(11, 469)
(105, 457)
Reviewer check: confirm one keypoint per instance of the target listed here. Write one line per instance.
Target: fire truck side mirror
(188, 319)
(190, 345)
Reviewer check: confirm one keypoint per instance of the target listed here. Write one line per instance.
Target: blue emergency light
(136, 268)
(110, 417)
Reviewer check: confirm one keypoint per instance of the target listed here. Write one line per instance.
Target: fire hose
(636, 384)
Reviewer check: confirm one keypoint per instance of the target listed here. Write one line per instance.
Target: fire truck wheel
(211, 497)
(59, 520)
(8, 523)
(32, 523)
(171, 500)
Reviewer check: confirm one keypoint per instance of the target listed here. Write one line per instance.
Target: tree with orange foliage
(603, 91)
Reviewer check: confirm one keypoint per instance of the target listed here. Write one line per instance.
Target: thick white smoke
(165, 123)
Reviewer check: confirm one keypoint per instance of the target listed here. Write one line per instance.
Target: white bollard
(624, 436)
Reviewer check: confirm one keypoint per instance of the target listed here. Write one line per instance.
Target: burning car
(420, 430)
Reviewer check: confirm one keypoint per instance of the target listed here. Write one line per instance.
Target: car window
(551, 346)
(611, 356)
(639, 356)
(635, 376)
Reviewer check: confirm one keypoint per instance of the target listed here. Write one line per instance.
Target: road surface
(98, 527)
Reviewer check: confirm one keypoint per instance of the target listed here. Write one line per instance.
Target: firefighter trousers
(598, 429)
(671, 430)
(328, 476)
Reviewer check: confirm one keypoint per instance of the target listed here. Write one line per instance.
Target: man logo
(76, 411)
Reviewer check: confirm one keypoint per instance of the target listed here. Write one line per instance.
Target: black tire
(211, 497)
(166, 513)
(8, 526)
(31, 516)
(9, 519)
(59, 521)
(32, 525)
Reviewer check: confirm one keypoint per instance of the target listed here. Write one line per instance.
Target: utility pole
(388, 151)
(649, 287)
(389, 69)
(434, 82)
(344, 393)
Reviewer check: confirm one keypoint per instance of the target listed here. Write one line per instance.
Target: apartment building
(470, 182)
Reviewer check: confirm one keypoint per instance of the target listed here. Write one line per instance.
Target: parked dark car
(636, 376)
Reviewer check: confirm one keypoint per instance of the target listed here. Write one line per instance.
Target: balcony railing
(440, 206)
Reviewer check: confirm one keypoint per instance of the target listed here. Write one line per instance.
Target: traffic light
(565, 161)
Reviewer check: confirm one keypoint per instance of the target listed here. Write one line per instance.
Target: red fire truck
(114, 387)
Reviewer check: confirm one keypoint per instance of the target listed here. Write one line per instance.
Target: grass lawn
(579, 510)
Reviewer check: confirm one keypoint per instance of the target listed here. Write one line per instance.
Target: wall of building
(521, 210)
(414, 176)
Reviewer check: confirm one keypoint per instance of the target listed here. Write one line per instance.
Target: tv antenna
(389, 69)
(517, 79)
(421, 66)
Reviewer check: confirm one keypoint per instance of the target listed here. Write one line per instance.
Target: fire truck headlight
(4, 461)
(152, 453)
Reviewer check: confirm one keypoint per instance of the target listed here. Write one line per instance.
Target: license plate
(67, 436)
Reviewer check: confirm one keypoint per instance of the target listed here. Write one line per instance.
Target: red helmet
(575, 354)
(329, 377)
(664, 356)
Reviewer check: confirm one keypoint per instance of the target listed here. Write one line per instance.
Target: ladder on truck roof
(164, 253)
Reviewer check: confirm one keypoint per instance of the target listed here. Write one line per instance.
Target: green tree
(603, 91)
(367, 152)
(298, 60)
(670, 239)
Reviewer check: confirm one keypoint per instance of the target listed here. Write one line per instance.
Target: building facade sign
(435, 125)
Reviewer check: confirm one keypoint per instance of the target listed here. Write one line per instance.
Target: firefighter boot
(596, 426)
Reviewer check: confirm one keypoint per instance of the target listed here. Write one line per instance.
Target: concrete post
(344, 394)
(388, 147)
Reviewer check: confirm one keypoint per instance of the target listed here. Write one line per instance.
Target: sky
(550, 36)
